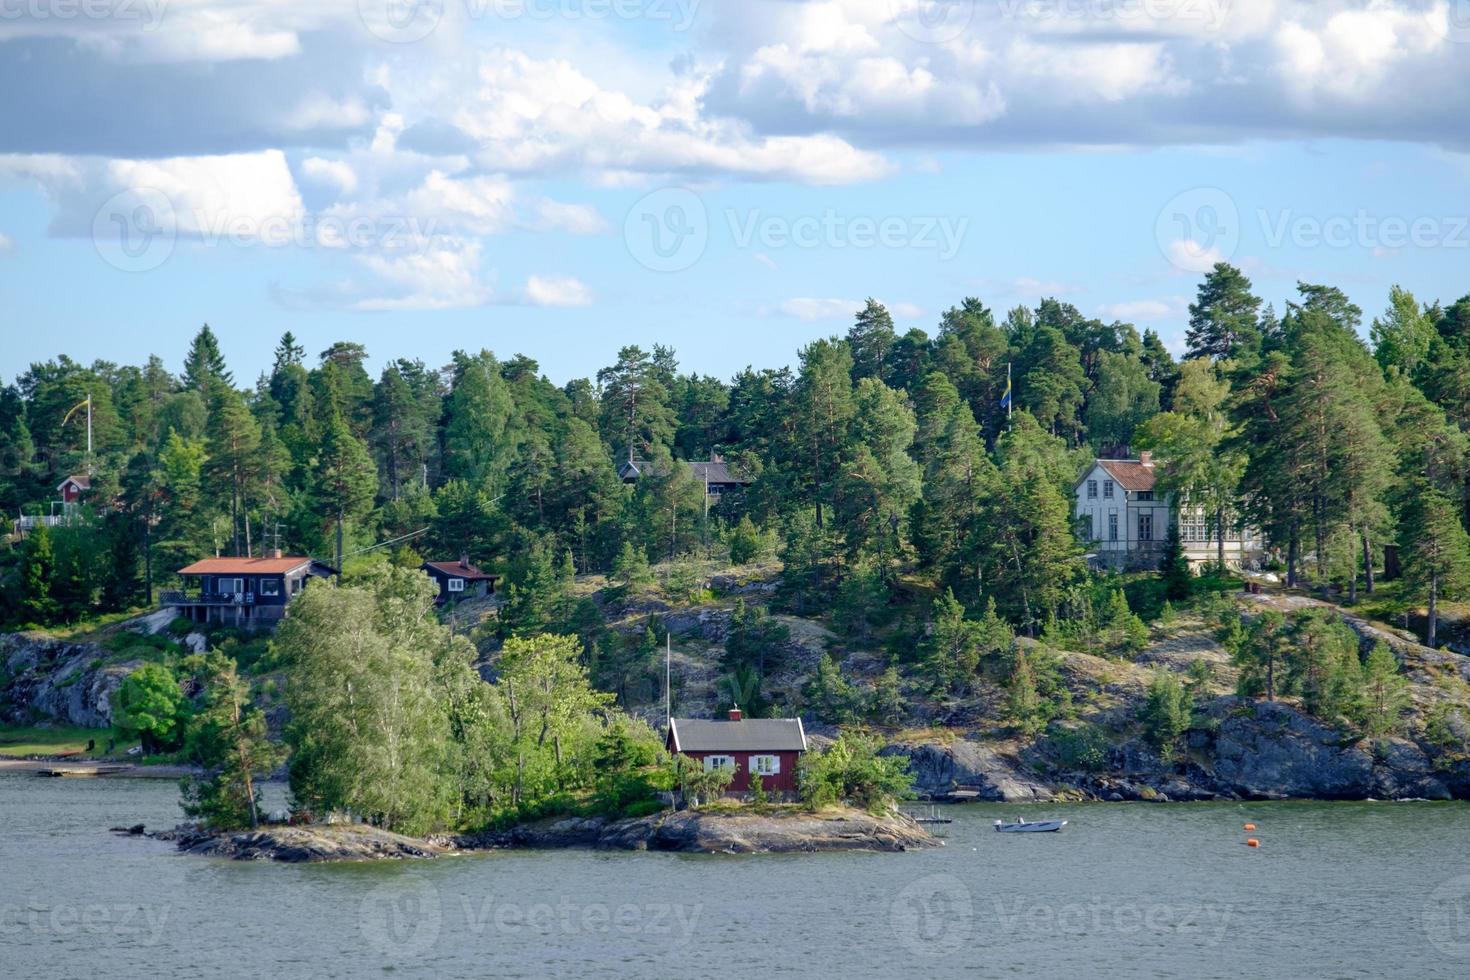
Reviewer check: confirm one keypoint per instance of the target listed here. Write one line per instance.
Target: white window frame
(765, 765)
(269, 587)
(1108, 489)
(456, 585)
(1091, 489)
(1146, 520)
(713, 762)
(1113, 526)
(236, 581)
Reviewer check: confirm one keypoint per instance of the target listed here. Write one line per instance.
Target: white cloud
(905, 311)
(446, 275)
(7, 244)
(332, 172)
(533, 115)
(556, 291)
(1147, 310)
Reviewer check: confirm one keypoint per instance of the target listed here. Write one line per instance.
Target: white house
(1126, 520)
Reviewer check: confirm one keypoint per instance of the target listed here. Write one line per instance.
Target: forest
(880, 457)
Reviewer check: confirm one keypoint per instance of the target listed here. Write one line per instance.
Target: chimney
(735, 714)
(275, 553)
(1146, 458)
(464, 559)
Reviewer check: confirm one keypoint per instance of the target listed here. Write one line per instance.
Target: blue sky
(733, 181)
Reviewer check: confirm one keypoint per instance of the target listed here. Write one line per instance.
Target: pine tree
(1385, 693)
(1434, 549)
(1224, 318)
(1174, 568)
(1167, 713)
(1023, 702)
(870, 338)
(345, 480)
(204, 366)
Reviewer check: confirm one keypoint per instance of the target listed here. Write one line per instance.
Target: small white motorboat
(1028, 827)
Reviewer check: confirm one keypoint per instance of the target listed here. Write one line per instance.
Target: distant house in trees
(72, 488)
(248, 592)
(715, 474)
(1125, 519)
(769, 746)
(64, 510)
(460, 580)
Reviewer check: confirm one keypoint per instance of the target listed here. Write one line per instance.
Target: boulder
(304, 845)
(66, 682)
(941, 768)
(1269, 750)
(1402, 771)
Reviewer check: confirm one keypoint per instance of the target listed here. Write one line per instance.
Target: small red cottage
(769, 746)
(72, 488)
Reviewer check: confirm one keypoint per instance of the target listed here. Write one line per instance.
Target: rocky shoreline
(715, 831)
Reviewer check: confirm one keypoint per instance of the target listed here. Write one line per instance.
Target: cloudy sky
(560, 177)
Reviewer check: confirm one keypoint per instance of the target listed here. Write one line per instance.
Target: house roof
(1130, 474)
(247, 566)
(80, 479)
(715, 471)
(459, 569)
(746, 735)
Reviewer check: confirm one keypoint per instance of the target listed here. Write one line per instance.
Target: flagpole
(668, 688)
(1010, 394)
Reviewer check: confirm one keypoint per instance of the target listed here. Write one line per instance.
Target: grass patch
(61, 740)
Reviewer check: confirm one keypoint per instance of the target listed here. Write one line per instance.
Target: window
(1193, 527)
(1145, 495)
(1145, 527)
(713, 762)
(1108, 488)
(1112, 527)
(765, 765)
(270, 586)
(456, 585)
(1088, 532)
(230, 586)
(1091, 489)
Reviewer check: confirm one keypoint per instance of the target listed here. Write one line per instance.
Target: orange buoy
(1252, 843)
(1250, 826)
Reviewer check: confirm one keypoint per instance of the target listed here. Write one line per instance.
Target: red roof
(459, 569)
(82, 481)
(245, 566)
(1131, 474)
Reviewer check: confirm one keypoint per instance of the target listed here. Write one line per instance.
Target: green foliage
(1167, 713)
(1174, 567)
(699, 786)
(632, 569)
(755, 640)
(227, 738)
(1385, 693)
(745, 542)
(630, 766)
(851, 771)
(1081, 747)
(151, 704)
(1120, 631)
(830, 696)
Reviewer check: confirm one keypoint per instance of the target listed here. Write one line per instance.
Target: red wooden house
(769, 746)
(72, 488)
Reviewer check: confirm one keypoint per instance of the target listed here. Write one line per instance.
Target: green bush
(852, 771)
(1084, 748)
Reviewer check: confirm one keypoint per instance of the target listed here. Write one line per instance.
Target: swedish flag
(1005, 400)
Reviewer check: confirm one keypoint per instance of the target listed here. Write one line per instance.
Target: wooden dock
(82, 772)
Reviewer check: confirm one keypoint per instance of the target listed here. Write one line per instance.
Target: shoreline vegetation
(883, 539)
